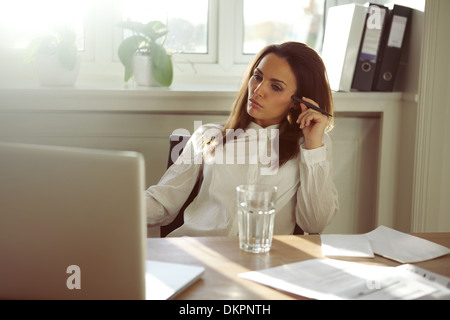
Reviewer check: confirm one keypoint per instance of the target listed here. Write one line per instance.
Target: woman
(225, 156)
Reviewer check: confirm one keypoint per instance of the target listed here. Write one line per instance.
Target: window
(192, 26)
(265, 22)
(213, 40)
(187, 21)
(23, 20)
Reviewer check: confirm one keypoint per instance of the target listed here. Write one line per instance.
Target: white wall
(365, 156)
(430, 210)
(419, 196)
(444, 216)
(442, 116)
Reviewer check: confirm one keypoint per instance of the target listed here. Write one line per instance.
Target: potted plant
(56, 57)
(143, 54)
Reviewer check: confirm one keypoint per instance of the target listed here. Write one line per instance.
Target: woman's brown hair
(312, 82)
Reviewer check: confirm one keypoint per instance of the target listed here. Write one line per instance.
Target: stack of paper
(385, 242)
(334, 279)
(341, 280)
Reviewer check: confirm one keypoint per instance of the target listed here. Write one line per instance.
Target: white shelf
(181, 99)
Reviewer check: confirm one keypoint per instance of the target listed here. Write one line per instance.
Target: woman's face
(269, 91)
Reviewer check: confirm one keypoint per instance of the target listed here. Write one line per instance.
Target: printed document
(354, 245)
(341, 280)
(385, 242)
(403, 247)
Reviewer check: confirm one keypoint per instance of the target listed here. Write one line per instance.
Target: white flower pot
(50, 72)
(142, 71)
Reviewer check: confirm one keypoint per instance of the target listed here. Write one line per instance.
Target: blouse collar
(256, 126)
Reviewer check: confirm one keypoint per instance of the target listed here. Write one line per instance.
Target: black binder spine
(370, 48)
(399, 21)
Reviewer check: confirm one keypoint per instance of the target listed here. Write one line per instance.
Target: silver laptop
(73, 226)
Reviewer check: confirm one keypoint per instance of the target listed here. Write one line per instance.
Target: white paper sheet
(336, 245)
(333, 279)
(403, 247)
(385, 242)
(164, 280)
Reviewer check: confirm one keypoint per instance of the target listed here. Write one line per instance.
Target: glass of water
(256, 213)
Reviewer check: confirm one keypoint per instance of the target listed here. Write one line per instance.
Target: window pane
(268, 21)
(187, 21)
(23, 20)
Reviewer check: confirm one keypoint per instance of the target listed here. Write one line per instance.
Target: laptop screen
(72, 223)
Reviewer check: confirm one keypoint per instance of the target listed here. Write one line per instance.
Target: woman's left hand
(313, 124)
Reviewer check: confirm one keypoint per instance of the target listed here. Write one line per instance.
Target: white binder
(343, 33)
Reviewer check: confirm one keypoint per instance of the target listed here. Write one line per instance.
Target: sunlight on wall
(30, 18)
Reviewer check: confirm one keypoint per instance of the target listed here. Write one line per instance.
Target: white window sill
(208, 98)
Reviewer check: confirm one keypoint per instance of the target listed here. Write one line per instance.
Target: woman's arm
(165, 199)
(317, 198)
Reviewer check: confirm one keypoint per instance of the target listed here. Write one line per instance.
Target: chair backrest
(177, 144)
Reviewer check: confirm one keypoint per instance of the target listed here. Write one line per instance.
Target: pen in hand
(310, 105)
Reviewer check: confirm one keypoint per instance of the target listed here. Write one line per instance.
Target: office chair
(176, 139)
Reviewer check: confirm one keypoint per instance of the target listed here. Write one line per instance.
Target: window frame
(224, 63)
(239, 55)
(209, 57)
(218, 66)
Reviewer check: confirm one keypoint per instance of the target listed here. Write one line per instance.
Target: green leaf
(126, 50)
(156, 26)
(163, 73)
(159, 54)
(155, 30)
(128, 73)
(161, 65)
(42, 45)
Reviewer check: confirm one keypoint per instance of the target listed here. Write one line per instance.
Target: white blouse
(306, 192)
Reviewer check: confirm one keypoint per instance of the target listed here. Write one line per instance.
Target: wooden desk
(223, 261)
